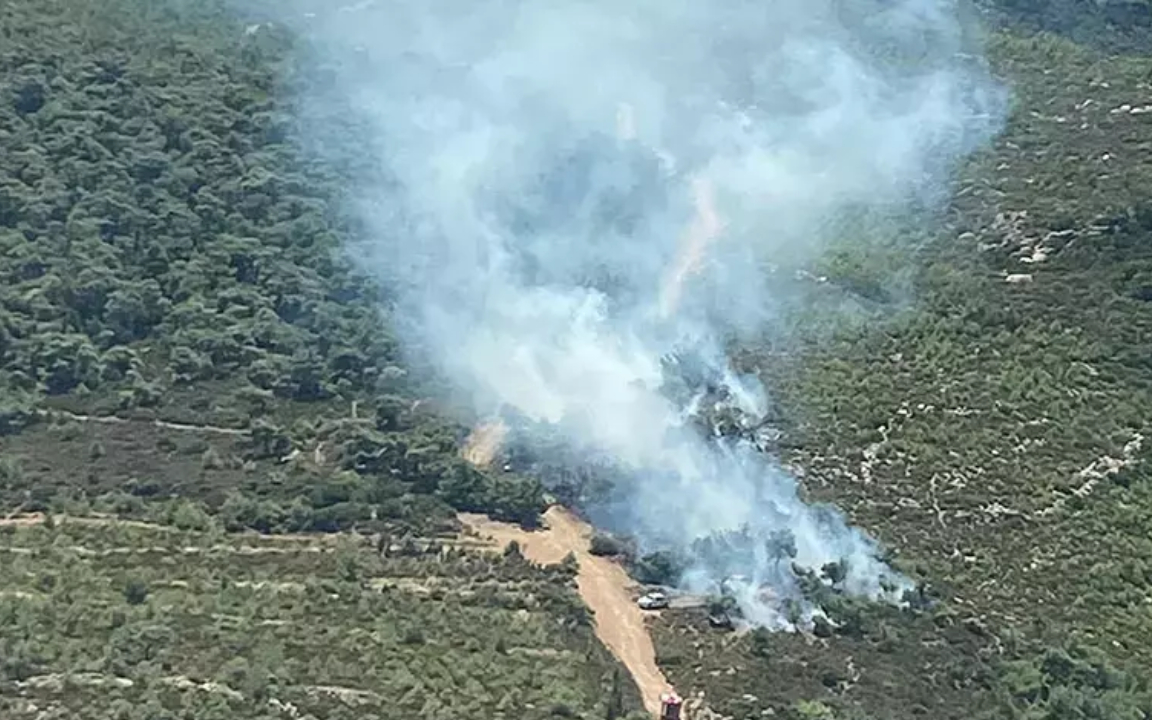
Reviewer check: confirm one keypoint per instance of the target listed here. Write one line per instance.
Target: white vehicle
(653, 601)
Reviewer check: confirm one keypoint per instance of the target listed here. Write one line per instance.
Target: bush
(512, 550)
(821, 628)
(570, 565)
(658, 568)
(413, 636)
(240, 512)
(605, 546)
(761, 642)
(334, 518)
(135, 591)
(813, 710)
(188, 515)
(15, 416)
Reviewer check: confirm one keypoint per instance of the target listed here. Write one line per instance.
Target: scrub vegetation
(988, 423)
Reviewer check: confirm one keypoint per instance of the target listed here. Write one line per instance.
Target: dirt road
(603, 585)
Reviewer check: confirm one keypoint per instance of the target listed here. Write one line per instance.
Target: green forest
(225, 494)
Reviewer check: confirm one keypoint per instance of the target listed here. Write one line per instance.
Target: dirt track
(603, 585)
(169, 425)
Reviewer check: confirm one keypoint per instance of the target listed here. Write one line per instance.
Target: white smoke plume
(576, 192)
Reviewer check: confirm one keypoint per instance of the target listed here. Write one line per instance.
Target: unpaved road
(603, 585)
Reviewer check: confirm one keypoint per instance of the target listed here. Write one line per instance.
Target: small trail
(603, 585)
(18, 519)
(269, 542)
(169, 425)
(59, 682)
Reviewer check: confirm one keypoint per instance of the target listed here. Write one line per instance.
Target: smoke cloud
(579, 198)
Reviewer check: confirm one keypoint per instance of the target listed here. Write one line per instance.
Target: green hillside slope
(168, 254)
(994, 434)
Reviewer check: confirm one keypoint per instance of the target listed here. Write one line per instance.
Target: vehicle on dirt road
(653, 601)
(670, 706)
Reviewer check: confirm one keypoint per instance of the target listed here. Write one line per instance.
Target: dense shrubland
(169, 252)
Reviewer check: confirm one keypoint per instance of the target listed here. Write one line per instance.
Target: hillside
(993, 433)
(224, 493)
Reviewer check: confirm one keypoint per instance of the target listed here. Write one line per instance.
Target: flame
(484, 442)
(705, 228)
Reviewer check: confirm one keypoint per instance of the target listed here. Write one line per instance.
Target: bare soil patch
(604, 586)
